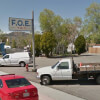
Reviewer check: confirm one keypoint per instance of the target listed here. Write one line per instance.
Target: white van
(16, 59)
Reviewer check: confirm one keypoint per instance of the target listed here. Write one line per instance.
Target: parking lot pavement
(46, 93)
(2, 73)
(83, 88)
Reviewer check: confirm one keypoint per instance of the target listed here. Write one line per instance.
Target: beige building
(94, 49)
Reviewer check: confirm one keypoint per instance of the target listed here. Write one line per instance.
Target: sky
(24, 8)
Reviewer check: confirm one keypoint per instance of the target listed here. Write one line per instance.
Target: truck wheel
(45, 80)
(98, 80)
(22, 64)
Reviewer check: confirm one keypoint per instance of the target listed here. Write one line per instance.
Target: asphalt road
(84, 89)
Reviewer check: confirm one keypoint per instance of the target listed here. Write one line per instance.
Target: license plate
(26, 94)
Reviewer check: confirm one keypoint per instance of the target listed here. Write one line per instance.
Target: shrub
(48, 42)
(80, 44)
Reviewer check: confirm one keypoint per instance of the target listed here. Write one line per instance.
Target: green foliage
(7, 43)
(22, 42)
(73, 28)
(65, 30)
(97, 39)
(48, 42)
(37, 44)
(14, 43)
(93, 38)
(92, 20)
(2, 36)
(77, 21)
(46, 20)
(80, 44)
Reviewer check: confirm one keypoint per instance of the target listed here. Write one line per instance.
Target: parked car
(16, 59)
(14, 87)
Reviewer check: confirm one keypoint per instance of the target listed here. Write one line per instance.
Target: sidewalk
(46, 93)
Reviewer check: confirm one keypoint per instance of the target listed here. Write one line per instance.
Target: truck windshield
(55, 65)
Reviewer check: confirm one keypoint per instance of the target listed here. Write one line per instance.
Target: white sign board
(20, 24)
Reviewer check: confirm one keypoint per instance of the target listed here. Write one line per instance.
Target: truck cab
(62, 70)
(65, 69)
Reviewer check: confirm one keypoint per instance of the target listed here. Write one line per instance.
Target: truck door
(6, 60)
(57, 75)
(66, 72)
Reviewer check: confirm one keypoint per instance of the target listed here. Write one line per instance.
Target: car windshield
(55, 65)
(17, 83)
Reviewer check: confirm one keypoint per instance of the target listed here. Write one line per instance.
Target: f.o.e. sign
(20, 24)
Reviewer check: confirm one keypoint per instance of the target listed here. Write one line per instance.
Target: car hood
(45, 69)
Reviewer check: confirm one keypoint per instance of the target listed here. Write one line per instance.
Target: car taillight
(14, 95)
(34, 92)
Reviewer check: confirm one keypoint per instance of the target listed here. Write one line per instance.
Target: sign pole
(34, 68)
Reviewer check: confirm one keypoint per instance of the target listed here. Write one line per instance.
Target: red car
(14, 87)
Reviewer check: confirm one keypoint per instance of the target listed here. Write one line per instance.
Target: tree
(80, 44)
(77, 21)
(73, 28)
(37, 44)
(2, 36)
(14, 43)
(7, 42)
(65, 31)
(48, 42)
(46, 20)
(92, 21)
(24, 41)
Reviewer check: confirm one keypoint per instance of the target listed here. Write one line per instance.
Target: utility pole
(34, 67)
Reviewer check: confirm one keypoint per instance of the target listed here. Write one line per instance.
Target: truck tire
(45, 80)
(22, 64)
(98, 80)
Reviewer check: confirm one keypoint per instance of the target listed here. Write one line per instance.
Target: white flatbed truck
(65, 69)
